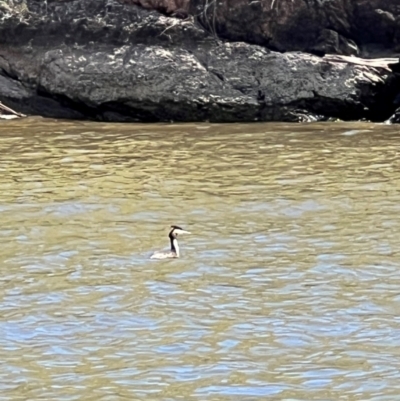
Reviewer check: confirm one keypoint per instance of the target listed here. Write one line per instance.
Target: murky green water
(288, 288)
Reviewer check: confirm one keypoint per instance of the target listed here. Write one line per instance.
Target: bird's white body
(174, 251)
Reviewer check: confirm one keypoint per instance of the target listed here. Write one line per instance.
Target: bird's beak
(182, 232)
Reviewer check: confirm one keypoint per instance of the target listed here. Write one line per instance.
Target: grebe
(174, 252)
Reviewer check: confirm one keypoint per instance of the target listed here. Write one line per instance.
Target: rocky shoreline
(116, 61)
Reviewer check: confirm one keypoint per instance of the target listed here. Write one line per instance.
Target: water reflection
(287, 288)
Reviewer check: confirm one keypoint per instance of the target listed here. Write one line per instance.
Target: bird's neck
(175, 246)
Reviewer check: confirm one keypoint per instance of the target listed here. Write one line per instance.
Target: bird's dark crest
(176, 227)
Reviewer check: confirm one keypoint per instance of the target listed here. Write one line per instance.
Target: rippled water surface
(287, 289)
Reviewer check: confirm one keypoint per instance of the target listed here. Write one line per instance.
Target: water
(287, 289)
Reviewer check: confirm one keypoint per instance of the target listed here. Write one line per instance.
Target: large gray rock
(227, 82)
(84, 59)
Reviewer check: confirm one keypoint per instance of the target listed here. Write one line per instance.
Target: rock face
(319, 26)
(105, 60)
(323, 26)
